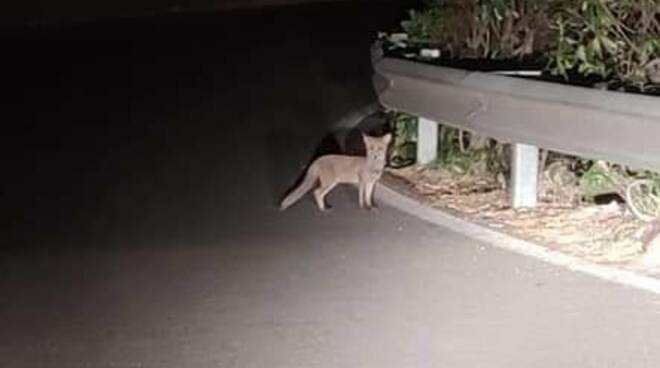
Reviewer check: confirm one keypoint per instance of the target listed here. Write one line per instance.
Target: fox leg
(369, 194)
(321, 192)
(361, 194)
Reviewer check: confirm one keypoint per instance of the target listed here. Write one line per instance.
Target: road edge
(399, 201)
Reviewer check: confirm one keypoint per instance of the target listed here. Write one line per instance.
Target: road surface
(143, 160)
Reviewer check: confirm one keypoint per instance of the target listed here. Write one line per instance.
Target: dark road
(121, 127)
(142, 164)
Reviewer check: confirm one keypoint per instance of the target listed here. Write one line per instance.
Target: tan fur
(328, 171)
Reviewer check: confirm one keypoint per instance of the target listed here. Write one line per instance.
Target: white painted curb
(435, 216)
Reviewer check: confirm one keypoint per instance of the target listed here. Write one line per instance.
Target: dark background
(107, 122)
(40, 12)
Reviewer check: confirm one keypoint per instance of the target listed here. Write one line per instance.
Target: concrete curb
(394, 199)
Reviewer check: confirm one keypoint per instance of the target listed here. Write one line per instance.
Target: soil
(602, 233)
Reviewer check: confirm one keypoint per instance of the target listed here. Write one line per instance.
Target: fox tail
(304, 187)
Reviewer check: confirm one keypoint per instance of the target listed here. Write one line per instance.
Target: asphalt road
(142, 164)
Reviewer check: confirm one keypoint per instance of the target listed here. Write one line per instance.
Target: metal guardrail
(615, 126)
(591, 123)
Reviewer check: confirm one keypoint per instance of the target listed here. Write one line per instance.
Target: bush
(404, 146)
(613, 39)
(495, 29)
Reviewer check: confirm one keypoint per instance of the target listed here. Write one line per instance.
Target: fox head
(377, 146)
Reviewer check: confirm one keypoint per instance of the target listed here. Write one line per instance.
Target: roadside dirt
(605, 234)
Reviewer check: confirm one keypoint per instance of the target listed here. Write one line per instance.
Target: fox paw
(327, 208)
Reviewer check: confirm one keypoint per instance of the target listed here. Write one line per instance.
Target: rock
(652, 70)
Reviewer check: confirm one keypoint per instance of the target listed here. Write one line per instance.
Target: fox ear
(387, 137)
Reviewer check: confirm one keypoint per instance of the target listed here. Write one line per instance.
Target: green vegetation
(615, 40)
(404, 145)
(493, 29)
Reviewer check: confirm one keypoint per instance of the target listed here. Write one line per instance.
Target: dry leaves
(601, 233)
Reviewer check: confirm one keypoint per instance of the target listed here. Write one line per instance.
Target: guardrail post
(524, 175)
(427, 140)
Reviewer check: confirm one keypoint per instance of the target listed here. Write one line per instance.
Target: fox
(327, 171)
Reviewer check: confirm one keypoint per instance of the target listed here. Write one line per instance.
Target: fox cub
(330, 170)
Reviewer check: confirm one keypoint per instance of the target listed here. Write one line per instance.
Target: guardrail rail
(600, 124)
